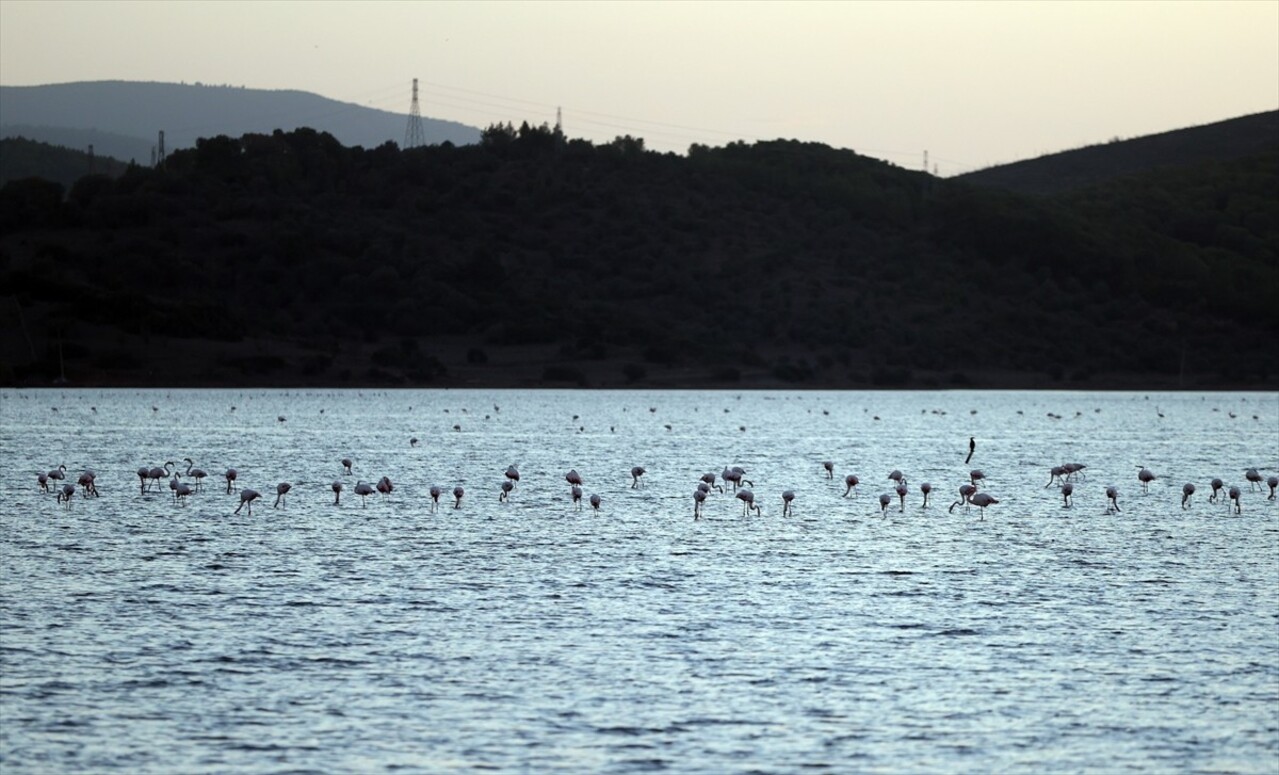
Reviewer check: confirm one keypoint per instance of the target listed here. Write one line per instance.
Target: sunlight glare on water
(138, 635)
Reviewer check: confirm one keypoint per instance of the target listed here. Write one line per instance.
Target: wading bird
(197, 474)
(1145, 476)
(1187, 490)
(1067, 490)
(337, 492)
(636, 473)
(364, 490)
(787, 497)
(247, 496)
(925, 488)
(748, 501)
(850, 482)
(458, 492)
(281, 490)
(230, 475)
(1112, 498)
(965, 492)
(830, 469)
(595, 502)
(1234, 496)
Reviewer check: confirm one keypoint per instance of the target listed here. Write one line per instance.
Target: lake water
(141, 636)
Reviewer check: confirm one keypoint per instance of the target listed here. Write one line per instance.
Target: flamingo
(709, 479)
(787, 497)
(1112, 496)
(1073, 468)
(507, 486)
(1217, 486)
(576, 492)
(58, 473)
(1187, 490)
(1055, 475)
(975, 476)
(595, 502)
(699, 497)
(1234, 496)
(884, 500)
(748, 501)
(64, 496)
(1067, 491)
(143, 472)
(850, 482)
(982, 500)
(435, 496)
(196, 473)
(230, 475)
(89, 481)
(896, 476)
(573, 477)
(731, 476)
(1273, 483)
(157, 473)
(43, 481)
(636, 473)
(1254, 479)
(513, 474)
(346, 466)
(173, 486)
(384, 486)
(458, 492)
(965, 493)
(364, 490)
(182, 492)
(247, 495)
(830, 469)
(337, 492)
(281, 490)
(901, 494)
(1145, 476)
(925, 488)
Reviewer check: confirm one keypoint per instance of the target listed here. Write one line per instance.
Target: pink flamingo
(337, 492)
(748, 501)
(982, 500)
(636, 473)
(787, 497)
(1187, 490)
(281, 490)
(926, 489)
(1112, 496)
(1067, 490)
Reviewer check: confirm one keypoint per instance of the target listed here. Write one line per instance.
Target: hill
(529, 259)
(1096, 164)
(21, 158)
(126, 116)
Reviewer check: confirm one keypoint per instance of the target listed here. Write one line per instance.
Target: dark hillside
(21, 158)
(130, 114)
(1096, 164)
(529, 260)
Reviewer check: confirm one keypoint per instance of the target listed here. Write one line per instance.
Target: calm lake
(140, 635)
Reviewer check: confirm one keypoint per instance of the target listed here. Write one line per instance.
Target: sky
(973, 83)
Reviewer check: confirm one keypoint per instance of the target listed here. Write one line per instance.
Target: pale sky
(974, 83)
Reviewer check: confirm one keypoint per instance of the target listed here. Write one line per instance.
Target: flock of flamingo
(1064, 477)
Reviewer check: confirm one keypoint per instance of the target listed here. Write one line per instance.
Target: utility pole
(413, 135)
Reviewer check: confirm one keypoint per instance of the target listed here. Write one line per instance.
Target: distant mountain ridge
(1072, 170)
(123, 118)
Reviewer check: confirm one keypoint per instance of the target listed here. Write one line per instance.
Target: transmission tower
(413, 136)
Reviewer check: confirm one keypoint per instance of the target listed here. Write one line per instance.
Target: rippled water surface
(138, 635)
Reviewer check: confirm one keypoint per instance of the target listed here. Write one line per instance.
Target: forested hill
(1056, 173)
(22, 158)
(123, 118)
(529, 260)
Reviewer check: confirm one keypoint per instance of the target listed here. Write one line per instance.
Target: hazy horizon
(974, 84)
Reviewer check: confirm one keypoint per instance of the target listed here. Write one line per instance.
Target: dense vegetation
(1057, 173)
(528, 259)
(21, 158)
